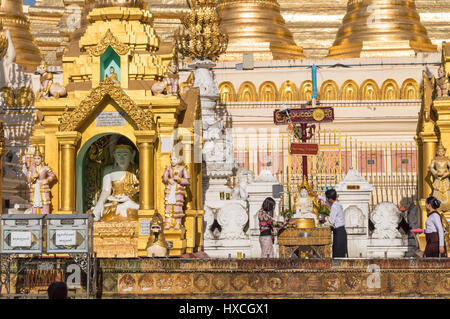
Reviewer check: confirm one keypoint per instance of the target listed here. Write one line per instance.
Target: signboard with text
(21, 234)
(304, 149)
(307, 115)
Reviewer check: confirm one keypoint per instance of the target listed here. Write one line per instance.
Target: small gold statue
(113, 76)
(440, 169)
(442, 83)
(156, 245)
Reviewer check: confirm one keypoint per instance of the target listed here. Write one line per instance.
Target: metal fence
(389, 167)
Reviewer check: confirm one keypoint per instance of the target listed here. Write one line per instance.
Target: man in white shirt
(337, 223)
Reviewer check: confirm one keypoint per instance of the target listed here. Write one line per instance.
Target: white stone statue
(232, 218)
(354, 217)
(385, 218)
(120, 188)
(13, 75)
(304, 206)
(245, 177)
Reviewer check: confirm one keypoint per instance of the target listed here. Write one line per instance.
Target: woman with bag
(267, 225)
(434, 232)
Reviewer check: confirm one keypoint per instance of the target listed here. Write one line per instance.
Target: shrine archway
(94, 156)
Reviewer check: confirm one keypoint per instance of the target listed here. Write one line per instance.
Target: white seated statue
(120, 188)
(304, 206)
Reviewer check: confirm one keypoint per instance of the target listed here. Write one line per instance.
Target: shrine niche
(390, 90)
(227, 92)
(288, 91)
(247, 92)
(329, 90)
(369, 90)
(410, 90)
(306, 91)
(102, 140)
(350, 90)
(268, 92)
(110, 65)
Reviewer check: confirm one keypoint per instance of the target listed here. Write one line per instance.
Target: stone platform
(274, 278)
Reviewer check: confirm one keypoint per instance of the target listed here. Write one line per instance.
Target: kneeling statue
(157, 245)
(120, 188)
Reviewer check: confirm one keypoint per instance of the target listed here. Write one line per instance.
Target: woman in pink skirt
(266, 225)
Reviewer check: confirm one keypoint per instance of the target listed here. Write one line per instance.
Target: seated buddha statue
(113, 76)
(120, 188)
(304, 204)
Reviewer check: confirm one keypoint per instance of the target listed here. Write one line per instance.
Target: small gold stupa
(374, 28)
(13, 19)
(256, 26)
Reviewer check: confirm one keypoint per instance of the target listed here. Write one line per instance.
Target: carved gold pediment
(71, 120)
(109, 40)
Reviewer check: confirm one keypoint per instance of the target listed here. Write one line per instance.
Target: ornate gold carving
(350, 90)
(203, 38)
(306, 91)
(109, 40)
(227, 92)
(25, 96)
(369, 90)
(268, 92)
(71, 120)
(288, 91)
(329, 90)
(390, 90)
(410, 90)
(247, 92)
(3, 45)
(8, 96)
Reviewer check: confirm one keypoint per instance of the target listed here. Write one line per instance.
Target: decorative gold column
(167, 123)
(429, 143)
(68, 142)
(2, 152)
(420, 168)
(145, 141)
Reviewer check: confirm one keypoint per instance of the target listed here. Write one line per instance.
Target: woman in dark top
(434, 232)
(266, 225)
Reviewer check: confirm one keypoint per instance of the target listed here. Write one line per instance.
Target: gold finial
(201, 36)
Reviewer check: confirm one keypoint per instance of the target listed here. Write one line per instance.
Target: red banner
(304, 149)
(311, 115)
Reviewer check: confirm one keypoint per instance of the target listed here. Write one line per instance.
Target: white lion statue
(386, 217)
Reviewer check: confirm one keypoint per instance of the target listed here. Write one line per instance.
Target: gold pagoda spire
(14, 20)
(381, 28)
(256, 26)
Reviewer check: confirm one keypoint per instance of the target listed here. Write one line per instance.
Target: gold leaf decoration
(71, 120)
(109, 40)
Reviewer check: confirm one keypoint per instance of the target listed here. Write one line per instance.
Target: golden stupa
(13, 19)
(256, 26)
(381, 28)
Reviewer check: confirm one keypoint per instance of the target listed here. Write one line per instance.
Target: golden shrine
(109, 71)
(433, 139)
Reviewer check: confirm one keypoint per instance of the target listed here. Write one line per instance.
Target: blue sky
(29, 2)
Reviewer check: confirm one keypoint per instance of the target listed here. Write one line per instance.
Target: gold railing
(389, 167)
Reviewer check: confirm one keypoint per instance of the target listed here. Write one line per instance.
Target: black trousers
(339, 242)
